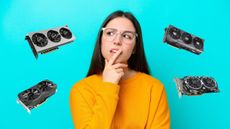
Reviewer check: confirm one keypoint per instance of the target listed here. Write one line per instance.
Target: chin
(121, 61)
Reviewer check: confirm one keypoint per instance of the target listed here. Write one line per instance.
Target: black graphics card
(196, 85)
(183, 40)
(48, 40)
(37, 94)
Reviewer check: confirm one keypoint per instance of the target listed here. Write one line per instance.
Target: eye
(128, 36)
(109, 33)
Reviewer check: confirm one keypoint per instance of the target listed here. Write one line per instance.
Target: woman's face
(119, 33)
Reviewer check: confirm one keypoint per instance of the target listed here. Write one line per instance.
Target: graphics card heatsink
(183, 40)
(196, 85)
(36, 95)
(48, 40)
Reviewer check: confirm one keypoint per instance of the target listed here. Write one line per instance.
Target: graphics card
(37, 94)
(196, 85)
(184, 40)
(48, 40)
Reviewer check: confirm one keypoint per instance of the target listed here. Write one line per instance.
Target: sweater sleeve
(98, 115)
(159, 115)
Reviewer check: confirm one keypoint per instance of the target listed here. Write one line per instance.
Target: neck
(128, 73)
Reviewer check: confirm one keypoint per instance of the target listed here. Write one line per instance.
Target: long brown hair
(137, 60)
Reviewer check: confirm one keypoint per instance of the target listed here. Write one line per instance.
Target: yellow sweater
(139, 102)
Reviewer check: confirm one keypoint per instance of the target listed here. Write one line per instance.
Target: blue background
(209, 19)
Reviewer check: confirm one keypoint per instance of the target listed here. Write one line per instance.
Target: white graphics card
(48, 40)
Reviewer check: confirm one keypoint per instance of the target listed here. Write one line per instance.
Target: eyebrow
(122, 31)
(129, 31)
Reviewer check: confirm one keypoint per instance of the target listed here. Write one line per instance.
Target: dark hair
(137, 60)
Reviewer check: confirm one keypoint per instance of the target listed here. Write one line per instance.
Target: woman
(118, 92)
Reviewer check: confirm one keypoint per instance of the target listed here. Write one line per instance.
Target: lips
(113, 50)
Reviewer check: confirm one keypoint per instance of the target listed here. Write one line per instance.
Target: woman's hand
(113, 72)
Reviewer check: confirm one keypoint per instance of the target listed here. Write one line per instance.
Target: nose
(117, 39)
